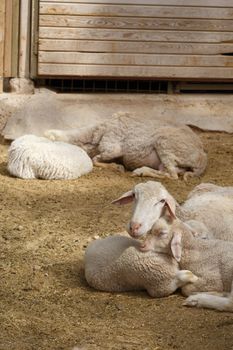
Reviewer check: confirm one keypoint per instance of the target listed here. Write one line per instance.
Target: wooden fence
(152, 39)
(162, 39)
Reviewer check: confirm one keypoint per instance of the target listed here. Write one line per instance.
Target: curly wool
(137, 144)
(31, 157)
(114, 264)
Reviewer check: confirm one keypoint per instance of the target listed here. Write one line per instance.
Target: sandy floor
(45, 301)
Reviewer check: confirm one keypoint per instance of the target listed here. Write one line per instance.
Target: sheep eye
(163, 233)
(161, 201)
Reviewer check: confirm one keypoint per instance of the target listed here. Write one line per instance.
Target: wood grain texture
(24, 39)
(8, 38)
(134, 35)
(125, 38)
(136, 11)
(15, 38)
(133, 23)
(134, 47)
(199, 3)
(2, 37)
(135, 59)
(138, 71)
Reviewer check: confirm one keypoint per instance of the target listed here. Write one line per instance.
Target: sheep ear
(170, 209)
(176, 247)
(126, 198)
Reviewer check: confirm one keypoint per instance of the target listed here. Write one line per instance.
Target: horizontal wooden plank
(134, 47)
(134, 35)
(135, 59)
(212, 3)
(135, 11)
(135, 71)
(135, 23)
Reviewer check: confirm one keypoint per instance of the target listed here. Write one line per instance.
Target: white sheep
(31, 157)
(211, 188)
(207, 204)
(211, 260)
(145, 148)
(115, 264)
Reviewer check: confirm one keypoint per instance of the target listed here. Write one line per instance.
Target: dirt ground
(45, 302)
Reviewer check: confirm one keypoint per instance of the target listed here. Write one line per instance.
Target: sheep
(211, 206)
(211, 260)
(148, 150)
(209, 187)
(115, 264)
(31, 157)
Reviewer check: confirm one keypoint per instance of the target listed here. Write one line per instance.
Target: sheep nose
(134, 227)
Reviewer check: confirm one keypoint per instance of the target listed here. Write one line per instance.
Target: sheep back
(31, 157)
(114, 264)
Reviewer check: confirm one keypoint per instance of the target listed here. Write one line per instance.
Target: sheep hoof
(138, 172)
(120, 168)
(135, 174)
(192, 300)
(187, 175)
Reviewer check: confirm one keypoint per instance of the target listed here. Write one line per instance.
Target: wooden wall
(9, 31)
(2, 36)
(168, 39)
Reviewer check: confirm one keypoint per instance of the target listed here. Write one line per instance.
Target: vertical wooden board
(34, 38)
(8, 39)
(15, 39)
(2, 31)
(24, 39)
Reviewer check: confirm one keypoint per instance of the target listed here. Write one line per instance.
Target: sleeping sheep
(210, 259)
(145, 148)
(115, 264)
(209, 207)
(33, 157)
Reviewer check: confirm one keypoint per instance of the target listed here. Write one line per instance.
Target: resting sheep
(115, 264)
(164, 151)
(211, 188)
(207, 204)
(31, 157)
(211, 260)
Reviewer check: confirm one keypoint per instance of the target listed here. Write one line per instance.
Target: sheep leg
(60, 135)
(167, 168)
(111, 152)
(146, 171)
(71, 135)
(187, 175)
(182, 277)
(185, 276)
(210, 301)
(114, 166)
(169, 164)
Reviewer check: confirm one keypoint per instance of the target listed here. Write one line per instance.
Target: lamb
(211, 260)
(31, 157)
(148, 150)
(207, 204)
(115, 264)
